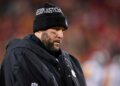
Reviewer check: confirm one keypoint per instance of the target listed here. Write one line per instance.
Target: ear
(38, 34)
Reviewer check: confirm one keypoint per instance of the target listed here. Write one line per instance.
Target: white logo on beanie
(48, 10)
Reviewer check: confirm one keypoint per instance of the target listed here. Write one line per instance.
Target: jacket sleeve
(7, 77)
(11, 73)
(20, 68)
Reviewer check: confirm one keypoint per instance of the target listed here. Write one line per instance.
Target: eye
(53, 32)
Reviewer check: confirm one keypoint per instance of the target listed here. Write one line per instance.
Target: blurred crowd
(93, 36)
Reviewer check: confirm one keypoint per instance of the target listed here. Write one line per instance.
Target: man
(37, 59)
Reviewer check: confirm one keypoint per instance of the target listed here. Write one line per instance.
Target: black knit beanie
(48, 16)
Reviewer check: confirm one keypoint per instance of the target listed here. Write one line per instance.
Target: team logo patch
(73, 73)
(34, 84)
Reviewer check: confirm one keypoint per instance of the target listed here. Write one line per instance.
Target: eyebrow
(58, 28)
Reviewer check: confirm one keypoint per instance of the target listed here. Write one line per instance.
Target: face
(52, 38)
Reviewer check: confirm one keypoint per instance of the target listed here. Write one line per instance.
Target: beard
(51, 45)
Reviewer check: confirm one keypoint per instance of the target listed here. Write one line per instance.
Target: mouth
(57, 44)
(57, 41)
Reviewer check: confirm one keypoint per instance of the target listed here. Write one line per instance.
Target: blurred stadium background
(93, 36)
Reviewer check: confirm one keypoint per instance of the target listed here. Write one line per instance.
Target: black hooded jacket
(28, 63)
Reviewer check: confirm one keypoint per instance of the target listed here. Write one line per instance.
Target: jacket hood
(13, 44)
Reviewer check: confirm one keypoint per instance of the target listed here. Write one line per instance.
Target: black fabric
(48, 16)
(26, 63)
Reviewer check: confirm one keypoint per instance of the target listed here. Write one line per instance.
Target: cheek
(48, 38)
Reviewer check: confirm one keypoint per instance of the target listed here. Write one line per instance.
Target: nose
(60, 33)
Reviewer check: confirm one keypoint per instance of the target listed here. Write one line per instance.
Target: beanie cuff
(44, 23)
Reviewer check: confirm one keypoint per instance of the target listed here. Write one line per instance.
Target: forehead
(57, 28)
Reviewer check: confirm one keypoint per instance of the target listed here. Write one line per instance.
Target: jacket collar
(41, 52)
